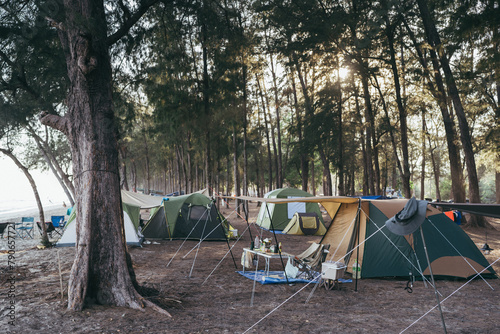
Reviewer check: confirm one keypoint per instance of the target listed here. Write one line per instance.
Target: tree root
(155, 307)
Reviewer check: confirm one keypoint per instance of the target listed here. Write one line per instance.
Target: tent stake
(432, 279)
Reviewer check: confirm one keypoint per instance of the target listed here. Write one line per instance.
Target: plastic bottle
(356, 270)
(256, 243)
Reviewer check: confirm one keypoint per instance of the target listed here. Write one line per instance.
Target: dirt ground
(220, 302)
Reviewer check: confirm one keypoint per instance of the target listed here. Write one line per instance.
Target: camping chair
(309, 262)
(58, 223)
(50, 228)
(24, 229)
(3, 227)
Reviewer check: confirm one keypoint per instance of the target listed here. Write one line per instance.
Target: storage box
(332, 270)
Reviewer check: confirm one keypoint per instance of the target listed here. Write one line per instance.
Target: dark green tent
(383, 254)
(192, 216)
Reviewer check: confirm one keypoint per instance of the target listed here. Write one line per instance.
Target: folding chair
(58, 223)
(3, 227)
(50, 228)
(309, 262)
(24, 229)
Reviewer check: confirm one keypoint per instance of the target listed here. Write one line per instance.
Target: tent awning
(141, 200)
(330, 203)
(490, 210)
(314, 199)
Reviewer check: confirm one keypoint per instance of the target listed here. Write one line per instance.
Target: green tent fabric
(278, 215)
(383, 254)
(190, 216)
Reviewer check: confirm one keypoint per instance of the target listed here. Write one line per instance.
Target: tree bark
(51, 166)
(299, 121)
(439, 93)
(102, 270)
(269, 156)
(435, 42)
(122, 151)
(422, 174)
(45, 238)
(279, 170)
(236, 175)
(402, 111)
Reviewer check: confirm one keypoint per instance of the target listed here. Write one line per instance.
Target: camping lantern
(486, 249)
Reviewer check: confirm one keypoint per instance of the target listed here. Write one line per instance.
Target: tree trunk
(370, 128)
(340, 136)
(402, 112)
(299, 121)
(435, 42)
(51, 166)
(122, 151)
(309, 113)
(189, 167)
(45, 238)
(269, 156)
(313, 177)
(422, 175)
(327, 177)
(279, 170)
(236, 176)
(439, 93)
(245, 125)
(146, 162)
(102, 270)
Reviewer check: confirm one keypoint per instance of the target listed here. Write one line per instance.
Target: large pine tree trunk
(439, 93)
(269, 156)
(435, 42)
(102, 270)
(402, 112)
(279, 170)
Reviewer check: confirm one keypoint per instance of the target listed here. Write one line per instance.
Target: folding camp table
(267, 257)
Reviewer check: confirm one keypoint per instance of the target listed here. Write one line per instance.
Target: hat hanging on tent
(409, 219)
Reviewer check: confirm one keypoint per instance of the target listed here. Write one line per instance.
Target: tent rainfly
(305, 224)
(384, 254)
(277, 215)
(190, 216)
(131, 218)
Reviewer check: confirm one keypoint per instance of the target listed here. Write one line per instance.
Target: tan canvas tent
(305, 224)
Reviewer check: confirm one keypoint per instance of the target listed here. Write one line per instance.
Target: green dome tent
(192, 216)
(281, 213)
(384, 254)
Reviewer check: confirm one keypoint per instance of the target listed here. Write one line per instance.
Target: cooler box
(332, 270)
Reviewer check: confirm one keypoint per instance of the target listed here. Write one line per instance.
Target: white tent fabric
(141, 200)
(132, 236)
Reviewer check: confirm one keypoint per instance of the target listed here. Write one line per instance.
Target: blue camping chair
(58, 223)
(24, 229)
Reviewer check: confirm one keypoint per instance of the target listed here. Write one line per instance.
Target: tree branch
(54, 121)
(123, 30)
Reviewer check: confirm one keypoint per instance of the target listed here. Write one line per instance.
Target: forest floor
(203, 300)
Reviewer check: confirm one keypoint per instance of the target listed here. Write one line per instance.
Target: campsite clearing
(222, 303)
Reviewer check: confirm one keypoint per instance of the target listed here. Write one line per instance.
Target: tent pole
(276, 240)
(199, 244)
(225, 236)
(432, 278)
(357, 245)
(245, 208)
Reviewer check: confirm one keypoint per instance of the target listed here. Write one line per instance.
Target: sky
(16, 192)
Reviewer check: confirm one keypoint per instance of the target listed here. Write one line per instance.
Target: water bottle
(356, 270)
